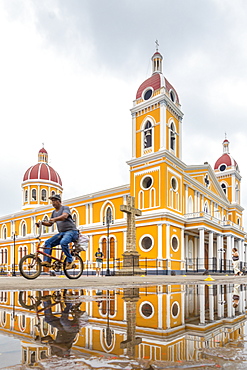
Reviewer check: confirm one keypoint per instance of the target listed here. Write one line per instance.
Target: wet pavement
(43, 282)
(124, 323)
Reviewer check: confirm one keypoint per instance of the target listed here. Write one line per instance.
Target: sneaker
(46, 264)
(69, 265)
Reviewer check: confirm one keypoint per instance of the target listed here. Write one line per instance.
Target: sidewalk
(108, 282)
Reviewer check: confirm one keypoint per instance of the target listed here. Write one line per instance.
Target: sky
(70, 69)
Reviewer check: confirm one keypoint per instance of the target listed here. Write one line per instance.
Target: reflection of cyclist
(67, 231)
(66, 329)
(236, 294)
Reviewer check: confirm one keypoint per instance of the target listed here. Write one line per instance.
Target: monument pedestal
(130, 264)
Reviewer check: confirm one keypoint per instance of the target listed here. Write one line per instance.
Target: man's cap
(55, 196)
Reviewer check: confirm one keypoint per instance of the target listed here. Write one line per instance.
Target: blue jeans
(63, 238)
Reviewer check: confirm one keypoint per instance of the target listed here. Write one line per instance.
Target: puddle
(158, 327)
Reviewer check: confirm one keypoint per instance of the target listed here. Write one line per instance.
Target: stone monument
(130, 256)
(131, 297)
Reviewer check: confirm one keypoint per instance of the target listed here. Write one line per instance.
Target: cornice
(158, 99)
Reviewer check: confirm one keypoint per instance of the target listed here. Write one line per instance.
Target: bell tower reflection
(131, 297)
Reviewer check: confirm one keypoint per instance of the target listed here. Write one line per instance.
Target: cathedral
(191, 216)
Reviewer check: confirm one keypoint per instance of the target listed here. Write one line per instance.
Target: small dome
(42, 171)
(42, 150)
(156, 81)
(226, 161)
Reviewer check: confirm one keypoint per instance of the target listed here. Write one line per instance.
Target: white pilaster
(201, 254)
(160, 244)
(202, 303)
(162, 125)
(133, 135)
(210, 250)
(229, 247)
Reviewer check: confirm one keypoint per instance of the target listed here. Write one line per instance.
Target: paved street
(47, 282)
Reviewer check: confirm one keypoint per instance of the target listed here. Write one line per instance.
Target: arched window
(23, 230)
(43, 195)
(4, 233)
(223, 186)
(104, 241)
(172, 136)
(112, 247)
(20, 252)
(5, 255)
(205, 207)
(147, 135)
(237, 193)
(26, 194)
(74, 217)
(190, 205)
(34, 194)
(45, 228)
(53, 192)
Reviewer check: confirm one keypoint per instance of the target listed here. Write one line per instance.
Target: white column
(87, 216)
(133, 135)
(163, 125)
(160, 311)
(195, 201)
(160, 244)
(180, 138)
(182, 250)
(210, 249)
(219, 251)
(229, 247)
(91, 213)
(168, 246)
(186, 199)
(202, 303)
(240, 250)
(201, 254)
(168, 310)
(211, 303)
(229, 303)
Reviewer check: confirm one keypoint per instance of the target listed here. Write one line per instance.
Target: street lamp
(108, 219)
(14, 235)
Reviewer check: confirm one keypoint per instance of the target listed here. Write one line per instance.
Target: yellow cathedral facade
(191, 216)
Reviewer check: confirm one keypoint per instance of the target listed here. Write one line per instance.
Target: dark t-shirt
(68, 223)
(99, 256)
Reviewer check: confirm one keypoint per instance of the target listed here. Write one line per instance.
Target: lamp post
(14, 235)
(108, 219)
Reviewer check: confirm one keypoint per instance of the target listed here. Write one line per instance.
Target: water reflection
(139, 328)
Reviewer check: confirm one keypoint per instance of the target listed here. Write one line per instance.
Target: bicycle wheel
(77, 269)
(26, 299)
(30, 266)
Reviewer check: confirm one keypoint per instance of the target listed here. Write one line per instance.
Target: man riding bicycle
(67, 231)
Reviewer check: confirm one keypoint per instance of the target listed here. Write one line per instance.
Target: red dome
(42, 171)
(226, 159)
(156, 81)
(42, 150)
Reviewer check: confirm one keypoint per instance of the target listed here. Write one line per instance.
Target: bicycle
(30, 265)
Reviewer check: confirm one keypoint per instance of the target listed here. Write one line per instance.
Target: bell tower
(156, 115)
(156, 134)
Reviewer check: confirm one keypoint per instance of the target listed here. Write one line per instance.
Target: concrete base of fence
(130, 264)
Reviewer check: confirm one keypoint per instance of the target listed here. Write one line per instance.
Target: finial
(43, 145)
(157, 45)
(225, 135)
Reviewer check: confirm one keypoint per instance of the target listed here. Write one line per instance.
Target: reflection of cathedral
(191, 214)
(166, 323)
